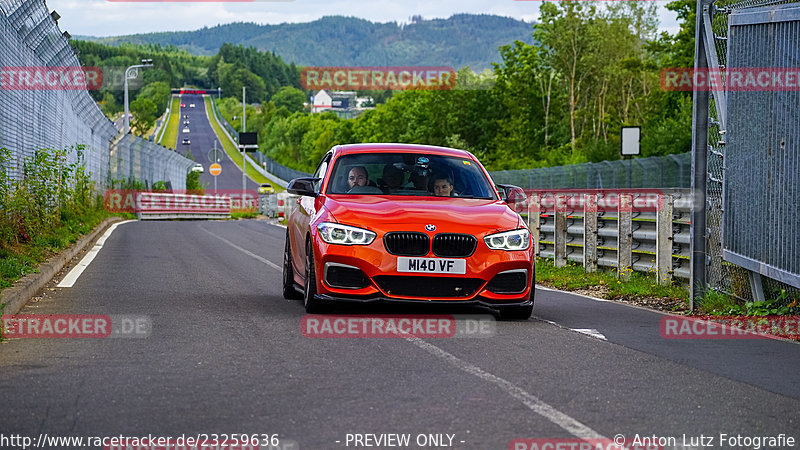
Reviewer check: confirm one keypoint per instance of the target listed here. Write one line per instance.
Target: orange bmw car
(407, 223)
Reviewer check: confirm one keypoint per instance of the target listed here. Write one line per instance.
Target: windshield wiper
(472, 196)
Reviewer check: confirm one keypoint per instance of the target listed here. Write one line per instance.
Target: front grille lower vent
(428, 287)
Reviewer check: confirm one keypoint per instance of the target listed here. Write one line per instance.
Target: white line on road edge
(246, 252)
(76, 271)
(587, 331)
(555, 416)
(590, 332)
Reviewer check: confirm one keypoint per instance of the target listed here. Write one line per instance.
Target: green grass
(170, 138)
(573, 277)
(243, 215)
(719, 303)
(234, 153)
(18, 260)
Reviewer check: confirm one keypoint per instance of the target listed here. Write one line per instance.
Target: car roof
(395, 147)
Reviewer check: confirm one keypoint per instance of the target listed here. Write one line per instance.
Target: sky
(120, 17)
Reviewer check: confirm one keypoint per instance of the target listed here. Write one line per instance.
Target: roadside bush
(51, 189)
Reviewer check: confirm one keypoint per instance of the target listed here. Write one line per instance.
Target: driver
(358, 176)
(443, 186)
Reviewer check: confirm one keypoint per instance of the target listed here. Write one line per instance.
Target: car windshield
(409, 174)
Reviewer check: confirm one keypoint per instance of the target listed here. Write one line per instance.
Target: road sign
(630, 138)
(215, 155)
(248, 138)
(215, 169)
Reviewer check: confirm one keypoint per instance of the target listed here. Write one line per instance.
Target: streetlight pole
(244, 151)
(131, 73)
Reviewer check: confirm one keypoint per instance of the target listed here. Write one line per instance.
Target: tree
(232, 82)
(144, 115)
(109, 104)
(567, 35)
(292, 98)
(157, 92)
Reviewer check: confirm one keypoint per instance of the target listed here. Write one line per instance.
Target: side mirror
(303, 186)
(514, 196)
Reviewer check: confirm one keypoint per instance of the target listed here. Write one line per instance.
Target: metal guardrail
(160, 206)
(655, 237)
(653, 240)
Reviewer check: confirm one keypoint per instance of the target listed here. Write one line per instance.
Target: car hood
(448, 214)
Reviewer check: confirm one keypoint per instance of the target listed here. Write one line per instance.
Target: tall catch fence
(746, 149)
(36, 117)
(671, 171)
(135, 158)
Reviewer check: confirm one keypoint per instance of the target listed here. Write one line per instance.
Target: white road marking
(590, 332)
(246, 252)
(76, 271)
(555, 416)
(587, 331)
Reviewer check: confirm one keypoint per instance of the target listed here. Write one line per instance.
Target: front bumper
(383, 283)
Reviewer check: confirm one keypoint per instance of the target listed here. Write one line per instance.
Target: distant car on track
(183, 105)
(266, 188)
(185, 130)
(197, 168)
(191, 105)
(186, 142)
(354, 238)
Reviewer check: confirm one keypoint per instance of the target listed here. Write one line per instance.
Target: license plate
(432, 265)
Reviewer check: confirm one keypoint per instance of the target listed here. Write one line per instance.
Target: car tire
(289, 292)
(312, 304)
(516, 312)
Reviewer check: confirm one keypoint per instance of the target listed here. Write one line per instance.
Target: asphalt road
(202, 139)
(226, 355)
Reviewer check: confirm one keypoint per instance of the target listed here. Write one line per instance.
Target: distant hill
(462, 40)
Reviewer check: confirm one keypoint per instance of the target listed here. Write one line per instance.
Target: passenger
(392, 180)
(417, 181)
(358, 176)
(443, 186)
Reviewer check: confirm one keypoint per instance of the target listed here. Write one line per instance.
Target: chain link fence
(136, 159)
(38, 116)
(671, 171)
(763, 43)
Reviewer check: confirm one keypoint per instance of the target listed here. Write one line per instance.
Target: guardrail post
(664, 240)
(560, 247)
(534, 221)
(590, 233)
(624, 237)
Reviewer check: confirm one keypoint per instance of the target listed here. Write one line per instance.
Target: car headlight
(509, 240)
(336, 233)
